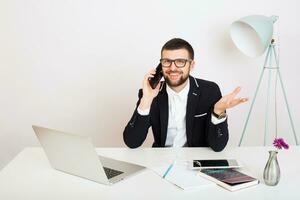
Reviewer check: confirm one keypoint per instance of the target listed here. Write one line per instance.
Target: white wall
(77, 65)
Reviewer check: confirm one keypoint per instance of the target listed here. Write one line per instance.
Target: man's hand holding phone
(148, 93)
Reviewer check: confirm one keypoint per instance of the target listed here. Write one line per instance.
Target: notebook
(182, 176)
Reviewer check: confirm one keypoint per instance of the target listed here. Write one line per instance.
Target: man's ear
(192, 65)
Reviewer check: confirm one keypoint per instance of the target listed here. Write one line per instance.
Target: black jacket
(200, 131)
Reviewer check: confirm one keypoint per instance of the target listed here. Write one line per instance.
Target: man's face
(176, 76)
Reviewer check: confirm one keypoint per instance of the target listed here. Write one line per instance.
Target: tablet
(215, 164)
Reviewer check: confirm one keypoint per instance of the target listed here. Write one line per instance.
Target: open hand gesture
(229, 101)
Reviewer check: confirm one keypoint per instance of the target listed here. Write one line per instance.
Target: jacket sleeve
(136, 129)
(217, 135)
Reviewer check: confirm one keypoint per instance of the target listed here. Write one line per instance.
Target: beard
(175, 83)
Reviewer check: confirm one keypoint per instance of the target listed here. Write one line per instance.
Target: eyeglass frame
(173, 61)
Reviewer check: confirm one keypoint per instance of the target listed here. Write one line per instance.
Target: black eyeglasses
(180, 62)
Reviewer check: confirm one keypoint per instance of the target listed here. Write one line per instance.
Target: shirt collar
(182, 94)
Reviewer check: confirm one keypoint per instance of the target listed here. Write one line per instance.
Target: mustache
(173, 71)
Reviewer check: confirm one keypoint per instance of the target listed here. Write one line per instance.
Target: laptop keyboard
(110, 173)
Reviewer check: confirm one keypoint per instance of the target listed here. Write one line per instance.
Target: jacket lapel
(192, 100)
(164, 114)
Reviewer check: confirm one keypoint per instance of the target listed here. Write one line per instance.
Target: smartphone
(158, 75)
(215, 164)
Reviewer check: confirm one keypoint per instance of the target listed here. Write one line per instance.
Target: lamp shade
(253, 34)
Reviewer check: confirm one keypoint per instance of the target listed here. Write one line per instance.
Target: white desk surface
(29, 176)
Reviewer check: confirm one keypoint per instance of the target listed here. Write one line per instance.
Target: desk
(29, 176)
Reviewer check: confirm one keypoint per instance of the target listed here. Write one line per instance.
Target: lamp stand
(267, 65)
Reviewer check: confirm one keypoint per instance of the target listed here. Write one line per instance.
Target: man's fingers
(236, 91)
(244, 99)
(235, 102)
(150, 74)
(152, 71)
(148, 77)
(232, 95)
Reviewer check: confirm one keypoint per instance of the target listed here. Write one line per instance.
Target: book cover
(230, 179)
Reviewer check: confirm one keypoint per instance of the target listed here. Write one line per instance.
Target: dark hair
(178, 43)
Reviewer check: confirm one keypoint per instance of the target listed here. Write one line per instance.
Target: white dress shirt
(176, 132)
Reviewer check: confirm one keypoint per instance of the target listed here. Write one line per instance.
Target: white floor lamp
(253, 36)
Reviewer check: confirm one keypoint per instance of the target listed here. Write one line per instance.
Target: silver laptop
(76, 155)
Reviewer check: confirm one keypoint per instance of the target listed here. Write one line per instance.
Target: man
(183, 111)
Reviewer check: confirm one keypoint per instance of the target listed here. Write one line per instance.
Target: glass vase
(272, 170)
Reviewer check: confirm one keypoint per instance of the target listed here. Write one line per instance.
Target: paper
(181, 176)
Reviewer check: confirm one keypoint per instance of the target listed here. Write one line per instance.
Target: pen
(168, 170)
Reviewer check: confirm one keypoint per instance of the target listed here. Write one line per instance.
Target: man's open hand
(229, 101)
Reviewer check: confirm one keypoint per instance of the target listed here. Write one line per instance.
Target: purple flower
(279, 143)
